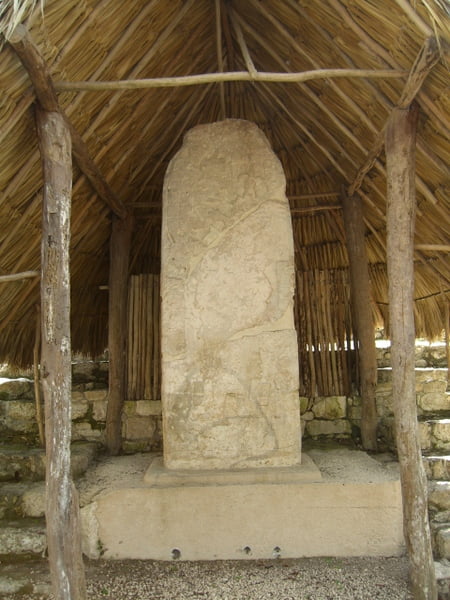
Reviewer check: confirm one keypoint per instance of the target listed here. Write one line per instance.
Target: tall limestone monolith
(229, 346)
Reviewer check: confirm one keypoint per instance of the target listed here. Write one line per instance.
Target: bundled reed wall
(327, 358)
(143, 352)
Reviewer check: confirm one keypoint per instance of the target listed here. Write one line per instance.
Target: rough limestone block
(33, 501)
(439, 495)
(79, 409)
(99, 410)
(304, 404)
(16, 540)
(440, 434)
(19, 415)
(319, 428)
(332, 407)
(147, 408)
(138, 428)
(16, 388)
(229, 346)
(434, 401)
(96, 395)
(85, 431)
(425, 435)
(443, 542)
(435, 385)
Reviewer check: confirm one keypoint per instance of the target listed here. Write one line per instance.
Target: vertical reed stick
(149, 338)
(157, 338)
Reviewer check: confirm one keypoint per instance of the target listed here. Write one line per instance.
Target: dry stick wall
(143, 370)
(327, 359)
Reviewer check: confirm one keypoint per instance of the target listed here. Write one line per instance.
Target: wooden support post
(447, 335)
(37, 378)
(117, 329)
(363, 317)
(401, 205)
(62, 509)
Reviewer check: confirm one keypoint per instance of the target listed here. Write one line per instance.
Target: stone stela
(231, 485)
(229, 345)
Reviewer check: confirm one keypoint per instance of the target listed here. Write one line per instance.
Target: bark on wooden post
(401, 205)
(362, 313)
(62, 509)
(117, 329)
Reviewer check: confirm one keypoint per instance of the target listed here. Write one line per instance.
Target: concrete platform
(352, 509)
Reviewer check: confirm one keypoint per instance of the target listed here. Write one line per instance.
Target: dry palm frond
(439, 14)
(14, 12)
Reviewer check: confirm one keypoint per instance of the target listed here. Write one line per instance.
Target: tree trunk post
(117, 329)
(62, 508)
(401, 207)
(362, 313)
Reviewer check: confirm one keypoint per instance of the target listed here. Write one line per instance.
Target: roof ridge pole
(401, 212)
(426, 59)
(361, 301)
(44, 89)
(61, 498)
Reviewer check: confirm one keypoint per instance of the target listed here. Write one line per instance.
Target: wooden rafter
(425, 61)
(242, 45)
(41, 79)
(18, 276)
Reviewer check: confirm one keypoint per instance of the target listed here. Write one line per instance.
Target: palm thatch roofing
(325, 130)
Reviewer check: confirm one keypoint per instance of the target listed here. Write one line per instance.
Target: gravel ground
(282, 579)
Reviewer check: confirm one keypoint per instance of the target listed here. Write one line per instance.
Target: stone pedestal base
(354, 509)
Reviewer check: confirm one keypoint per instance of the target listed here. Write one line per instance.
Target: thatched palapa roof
(326, 127)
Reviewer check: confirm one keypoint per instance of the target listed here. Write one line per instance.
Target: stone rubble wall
(333, 417)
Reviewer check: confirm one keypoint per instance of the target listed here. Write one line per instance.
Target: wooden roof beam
(19, 276)
(243, 46)
(40, 76)
(426, 59)
(205, 78)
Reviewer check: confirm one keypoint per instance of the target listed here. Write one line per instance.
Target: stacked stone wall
(332, 417)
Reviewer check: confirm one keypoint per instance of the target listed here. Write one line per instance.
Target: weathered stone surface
(16, 388)
(99, 410)
(85, 431)
(304, 404)
(425, 435)
(439, 495)
(317, 428)
(33, 501)
(96, 395)
(440, 434)
(332, 407)
(443, 542)
(28, 539)
(21, 463)
(18, 415)
(437, 467)
(138, 428)
(436, 385)
(434, 401)
(79, 409)
(147, 408)
(229, 348)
